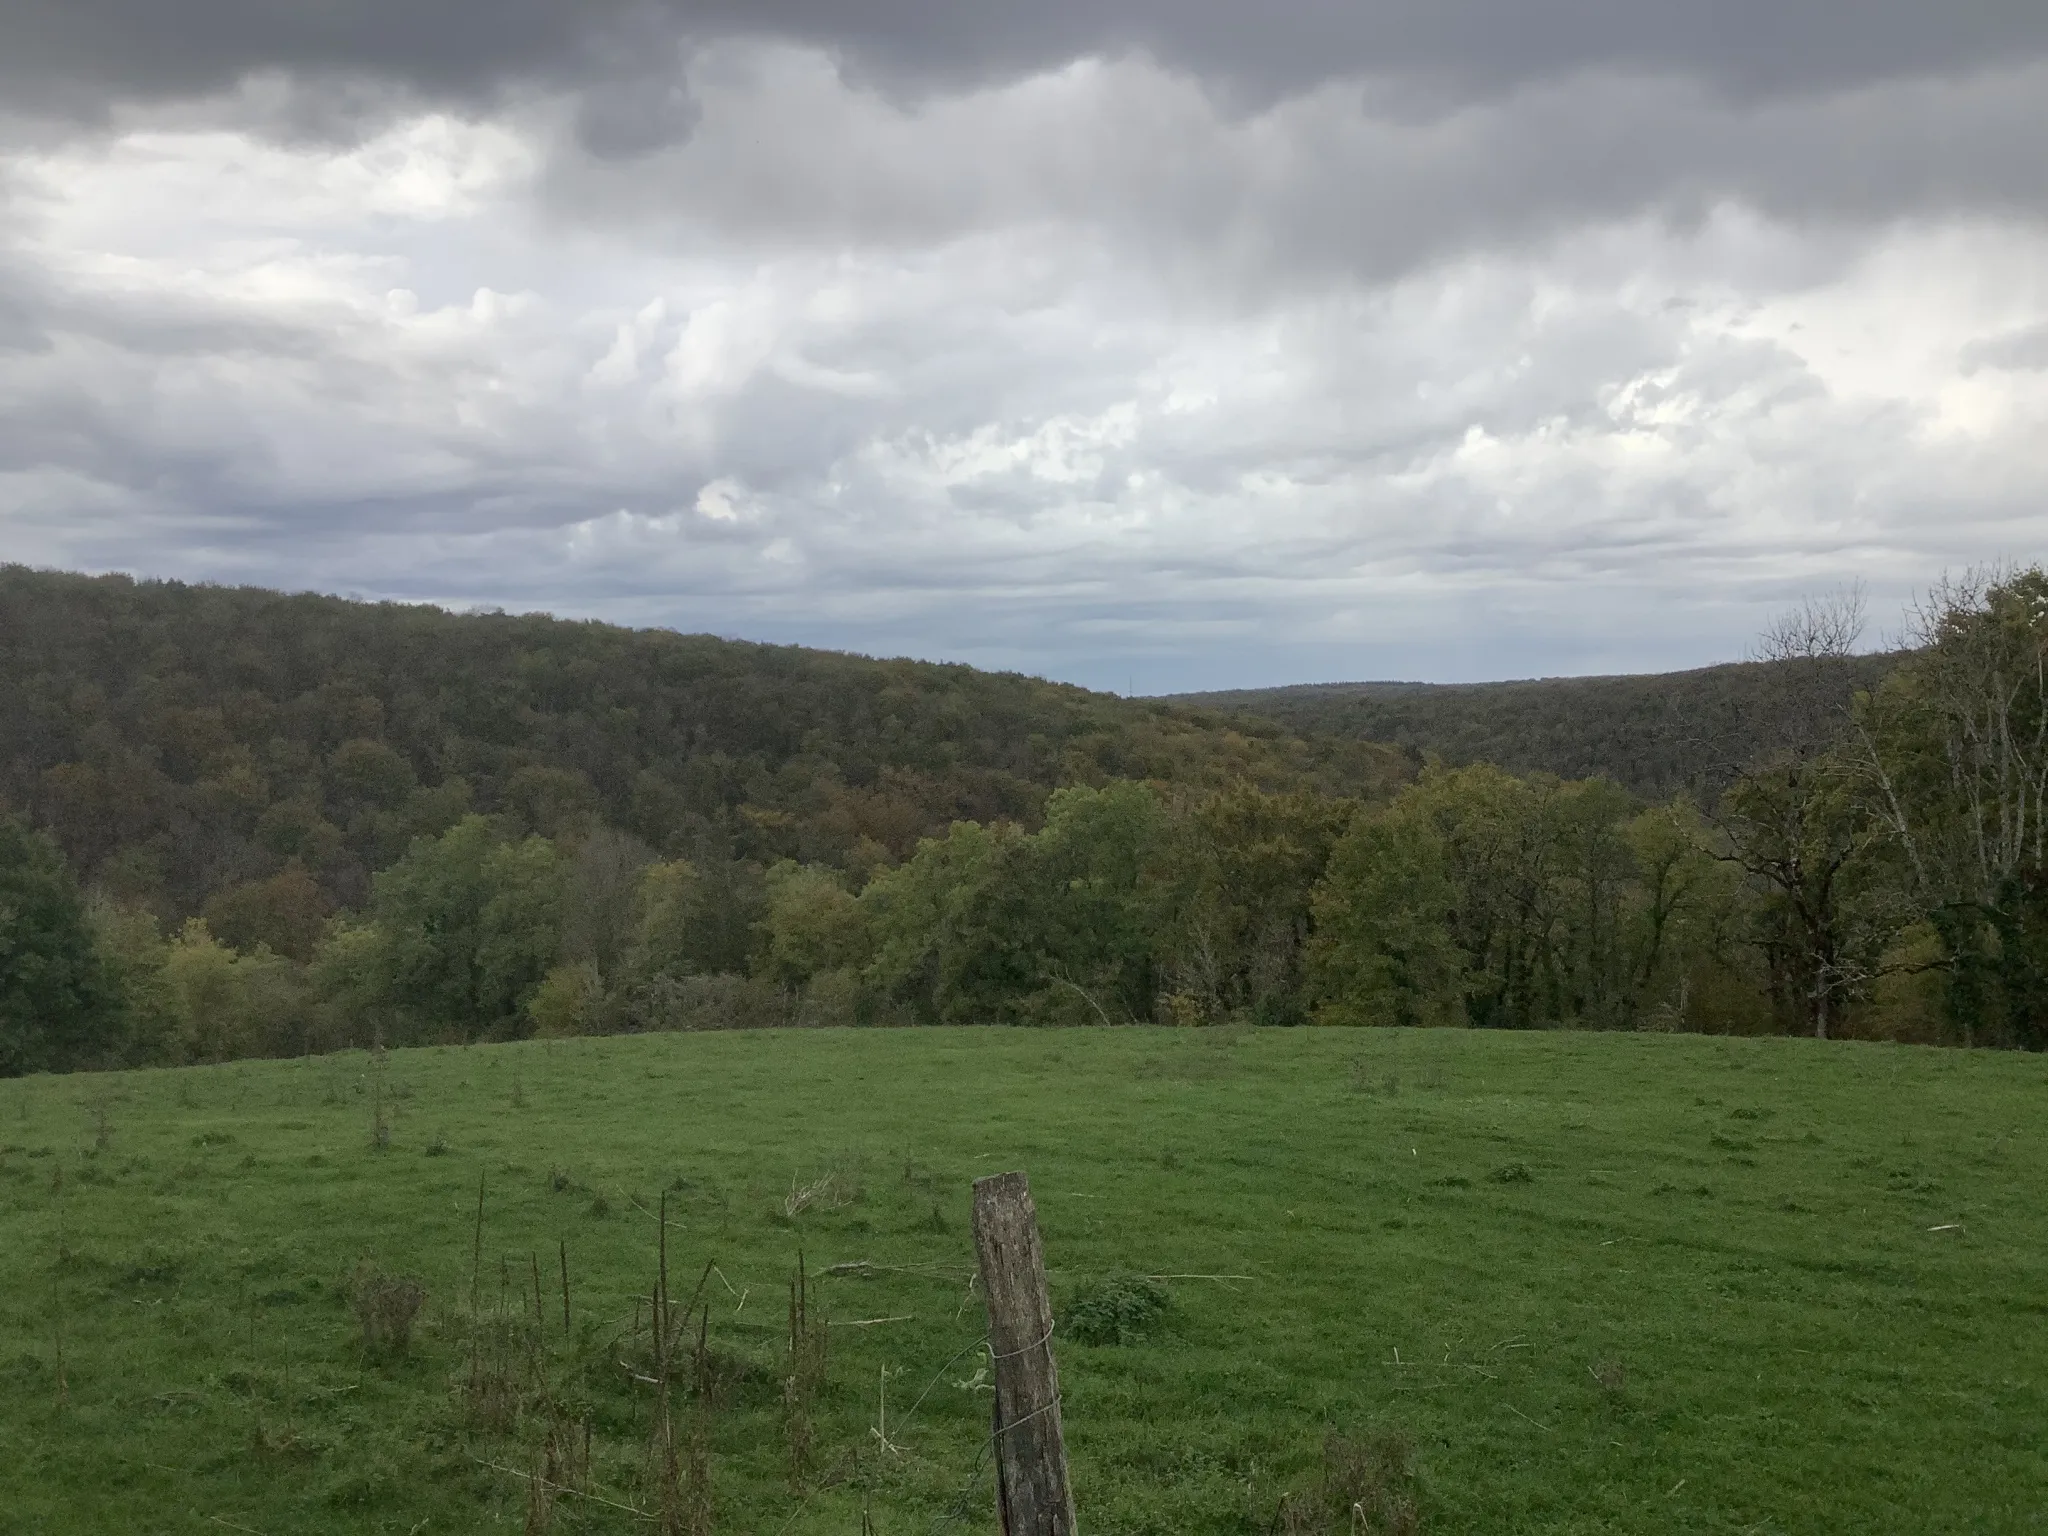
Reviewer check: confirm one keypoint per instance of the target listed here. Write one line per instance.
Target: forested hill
(182, 740)
(1653, 733)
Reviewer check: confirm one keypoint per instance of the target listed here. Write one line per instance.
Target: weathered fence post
(1032, 1495)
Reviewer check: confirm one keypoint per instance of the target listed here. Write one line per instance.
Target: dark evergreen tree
(58, 1006)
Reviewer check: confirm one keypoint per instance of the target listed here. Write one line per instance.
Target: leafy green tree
(1383, 951)
(1954, 748)
(1681, 921)
(552, 801)
(207, 996)
(296, 829)
(286, 914)
(698, 917)
(133, 947)
(602, 900)
(1065, 925)
(1515, 902)
(914, 913)
(59, 1008)
(570, 1000)
(226, 1005)
(365, 773)
(1243, 865)
(351, 976)
(1539, 868)
(470, 922)
(814, 924)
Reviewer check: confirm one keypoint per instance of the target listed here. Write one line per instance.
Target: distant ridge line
(1655, 733)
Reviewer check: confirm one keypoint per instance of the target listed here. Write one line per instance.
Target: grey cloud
(1747, 46)
(2023, 349)
(78, 54)
(23, 305)
(1335, 183)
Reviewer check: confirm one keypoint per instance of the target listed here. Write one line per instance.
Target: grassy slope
(1744, 1224)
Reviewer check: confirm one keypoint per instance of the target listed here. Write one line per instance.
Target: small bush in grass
(385, 1307)
(1118, 1309)
(1513, 1173)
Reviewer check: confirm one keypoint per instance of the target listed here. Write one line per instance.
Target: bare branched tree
(1820, 629)
(1794, 824)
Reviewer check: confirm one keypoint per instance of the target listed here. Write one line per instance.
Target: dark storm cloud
(78, 54)
(1331, 184)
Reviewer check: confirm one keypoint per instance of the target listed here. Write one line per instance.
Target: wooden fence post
(1032, 1494)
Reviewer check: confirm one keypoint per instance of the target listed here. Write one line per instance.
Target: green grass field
(1602, 1283)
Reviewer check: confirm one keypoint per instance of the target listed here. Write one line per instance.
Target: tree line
(1881, 871)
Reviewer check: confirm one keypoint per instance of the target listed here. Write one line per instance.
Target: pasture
(1594, 1283)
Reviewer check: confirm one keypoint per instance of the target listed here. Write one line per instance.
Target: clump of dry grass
(1366, 1490)
(842, 1184)
(385, 1307)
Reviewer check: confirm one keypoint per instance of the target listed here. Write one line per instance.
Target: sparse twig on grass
(476, 1256)
(596, 1498)
(564, 1247)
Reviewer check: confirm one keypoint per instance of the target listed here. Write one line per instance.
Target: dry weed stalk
(380, 1123)
(564, 1247)
(57, 1285)
(500, 1344)
(102, 1124)
(683, 1502)
(804, 1378)
(562, 1459)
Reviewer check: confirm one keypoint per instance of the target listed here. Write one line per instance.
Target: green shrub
(1119, 1308)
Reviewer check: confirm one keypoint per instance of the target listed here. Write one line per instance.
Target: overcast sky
(1151, 344)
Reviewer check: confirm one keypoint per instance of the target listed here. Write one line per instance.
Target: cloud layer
(1137, 345)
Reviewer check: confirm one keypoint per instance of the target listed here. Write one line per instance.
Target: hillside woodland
(242, 823)
(1656, 735)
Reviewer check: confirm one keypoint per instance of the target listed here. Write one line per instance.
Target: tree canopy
(411, 872)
